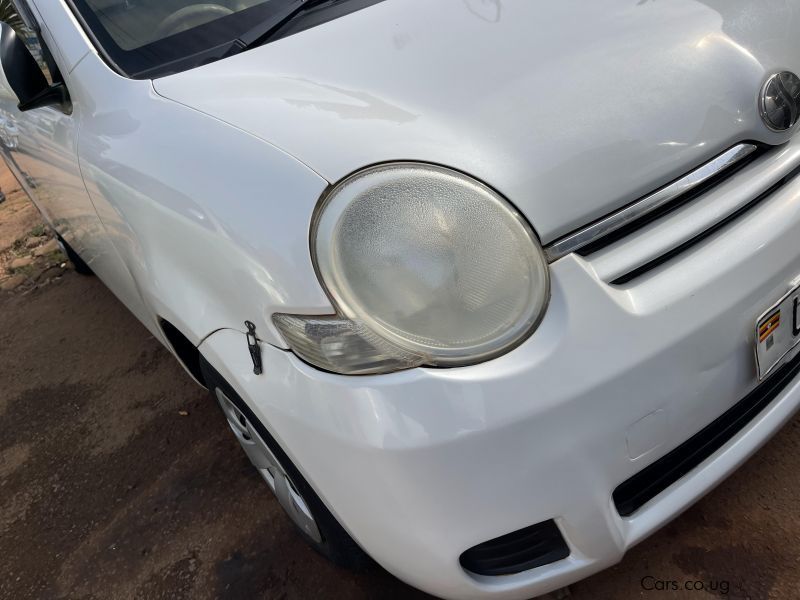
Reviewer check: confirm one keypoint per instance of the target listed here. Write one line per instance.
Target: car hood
(570, 109)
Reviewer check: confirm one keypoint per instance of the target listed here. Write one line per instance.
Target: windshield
(152, 38)
(133, 24)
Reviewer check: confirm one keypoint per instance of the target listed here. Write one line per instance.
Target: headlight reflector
(431, 262)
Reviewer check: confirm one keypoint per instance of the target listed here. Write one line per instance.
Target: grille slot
(634, 493)
(675, 204)
(673, 229)
(701, 236)
(521, 550)
(606, 229)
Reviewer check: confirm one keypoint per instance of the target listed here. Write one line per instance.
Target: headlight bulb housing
(425, 266)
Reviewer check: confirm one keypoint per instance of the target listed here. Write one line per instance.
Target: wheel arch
(184, 350)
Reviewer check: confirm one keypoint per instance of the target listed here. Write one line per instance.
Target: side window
(16, 14)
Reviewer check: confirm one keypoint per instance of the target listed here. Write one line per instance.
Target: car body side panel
(44, 157)
(211, 222)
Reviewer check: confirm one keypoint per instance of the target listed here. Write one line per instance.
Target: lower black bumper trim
(632, 494)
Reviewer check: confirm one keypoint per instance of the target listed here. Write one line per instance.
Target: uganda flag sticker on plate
(768, 327)
(778, 333)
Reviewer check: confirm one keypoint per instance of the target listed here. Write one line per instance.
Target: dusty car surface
(488, 290)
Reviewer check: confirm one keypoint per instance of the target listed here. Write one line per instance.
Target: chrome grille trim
(592, 233)
(656, 242)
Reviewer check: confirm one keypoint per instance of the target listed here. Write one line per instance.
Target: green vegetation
(27, 271)
(39, 230)
(54, 258)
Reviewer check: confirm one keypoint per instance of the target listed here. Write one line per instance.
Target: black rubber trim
(634, 493)
(521, 550)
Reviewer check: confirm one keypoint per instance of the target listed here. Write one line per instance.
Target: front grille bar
(658, 199)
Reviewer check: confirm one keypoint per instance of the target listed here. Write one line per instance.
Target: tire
(79, 264)
(322, 532)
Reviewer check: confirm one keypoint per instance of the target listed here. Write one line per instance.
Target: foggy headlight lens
(425, 266)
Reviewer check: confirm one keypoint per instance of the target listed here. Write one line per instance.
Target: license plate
(778, 333)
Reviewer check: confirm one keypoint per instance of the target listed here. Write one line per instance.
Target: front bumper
(421, 465)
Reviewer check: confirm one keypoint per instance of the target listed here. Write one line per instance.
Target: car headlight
(425, 266)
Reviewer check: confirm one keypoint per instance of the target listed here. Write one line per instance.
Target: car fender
(211, 222)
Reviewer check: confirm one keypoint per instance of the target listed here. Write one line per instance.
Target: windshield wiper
(285, 11)
(265, 29)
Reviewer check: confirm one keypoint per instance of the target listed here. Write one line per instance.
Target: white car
(488, 290)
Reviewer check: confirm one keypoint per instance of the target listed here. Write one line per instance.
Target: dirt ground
(119, 478)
